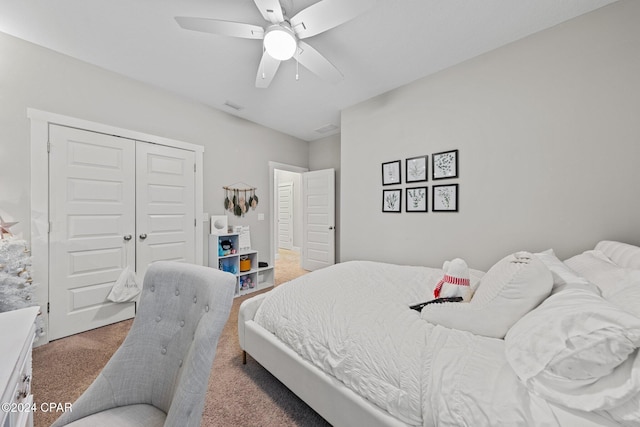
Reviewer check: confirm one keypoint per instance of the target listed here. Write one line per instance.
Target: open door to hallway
(319, 219)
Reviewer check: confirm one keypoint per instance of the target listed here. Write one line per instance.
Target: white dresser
(17, 331)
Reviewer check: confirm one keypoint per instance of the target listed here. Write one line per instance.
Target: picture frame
(445, 164)
(416, 169)
(391, 173)
(392, 201)
(444, 198)
(416, 199)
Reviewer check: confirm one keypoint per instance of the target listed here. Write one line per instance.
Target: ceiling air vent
(326, 128)
(233, 105)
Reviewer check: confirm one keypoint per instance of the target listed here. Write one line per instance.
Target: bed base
(337, 404)
(327, 396)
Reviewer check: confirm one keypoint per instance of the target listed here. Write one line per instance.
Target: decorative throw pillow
(512, 287)
(578, 350)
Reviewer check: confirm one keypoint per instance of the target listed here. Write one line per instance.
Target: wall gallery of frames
(444, 197)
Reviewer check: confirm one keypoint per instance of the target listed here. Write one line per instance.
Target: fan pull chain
(297, 70)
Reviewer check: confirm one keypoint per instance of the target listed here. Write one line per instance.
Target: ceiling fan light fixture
(280, 42)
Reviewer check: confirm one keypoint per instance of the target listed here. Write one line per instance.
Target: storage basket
(245, 263)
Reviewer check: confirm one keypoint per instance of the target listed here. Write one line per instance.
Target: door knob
(143, 236)
(127, 237)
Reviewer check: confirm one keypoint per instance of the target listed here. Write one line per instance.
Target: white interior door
(318, 219)
(165, 203)
(285, 215)
(92, 212)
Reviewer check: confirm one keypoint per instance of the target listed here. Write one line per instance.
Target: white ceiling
(392, 44)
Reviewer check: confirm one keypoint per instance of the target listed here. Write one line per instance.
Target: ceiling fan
(282, 37)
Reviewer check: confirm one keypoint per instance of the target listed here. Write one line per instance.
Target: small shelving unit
(233, 260)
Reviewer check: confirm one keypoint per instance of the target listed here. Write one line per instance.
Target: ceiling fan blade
(223, 28)
(270, 10)
(266, 70)
(316, 63)
(327, 14)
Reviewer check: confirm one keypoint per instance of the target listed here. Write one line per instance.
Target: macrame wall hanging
(239, 198)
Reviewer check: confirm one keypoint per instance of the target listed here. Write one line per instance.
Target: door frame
(39, 126)
(273, 225)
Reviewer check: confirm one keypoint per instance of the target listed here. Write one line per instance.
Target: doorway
(288, 266)
(315, 213)
(287, 201)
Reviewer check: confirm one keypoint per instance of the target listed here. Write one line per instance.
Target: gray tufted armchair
(159, 376)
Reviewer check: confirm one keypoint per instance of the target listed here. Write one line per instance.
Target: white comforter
(353, 321)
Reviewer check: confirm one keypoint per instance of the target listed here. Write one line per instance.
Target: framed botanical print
(416, 199)
(391, 201)
(416, 169)
(445, 164)
(445, 198)
(391, 173)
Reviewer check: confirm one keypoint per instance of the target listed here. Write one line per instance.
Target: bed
(542, 342)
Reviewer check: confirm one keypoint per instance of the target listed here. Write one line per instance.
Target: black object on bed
(420, 306)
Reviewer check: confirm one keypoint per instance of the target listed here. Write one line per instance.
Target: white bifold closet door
(114, 202)
(165, 205)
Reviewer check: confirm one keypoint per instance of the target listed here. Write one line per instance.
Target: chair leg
(244, 357)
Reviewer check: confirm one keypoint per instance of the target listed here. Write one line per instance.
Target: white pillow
(622, 254)
(596, 268)
(618, 285)
(563, 276)
(626, 293)
(578, 350)
(512, 287)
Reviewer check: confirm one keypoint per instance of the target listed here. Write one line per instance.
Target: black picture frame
(417, 169)
(392, 201)
(392, 173)
(417, 199)
(444, 198)
(444, 165)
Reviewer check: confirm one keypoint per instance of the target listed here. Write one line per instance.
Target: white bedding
(352, 320)
(470, 383)
(340, 317)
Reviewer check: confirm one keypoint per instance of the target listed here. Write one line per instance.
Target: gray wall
(549, 136)
(235, 150)
(325, 153)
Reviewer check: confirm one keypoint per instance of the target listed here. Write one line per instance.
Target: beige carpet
(287, 266)
(238, 395)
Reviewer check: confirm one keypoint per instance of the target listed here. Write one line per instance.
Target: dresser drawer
(18, 329)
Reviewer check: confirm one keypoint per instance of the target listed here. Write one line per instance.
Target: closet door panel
(165, 205)
(92, 208)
